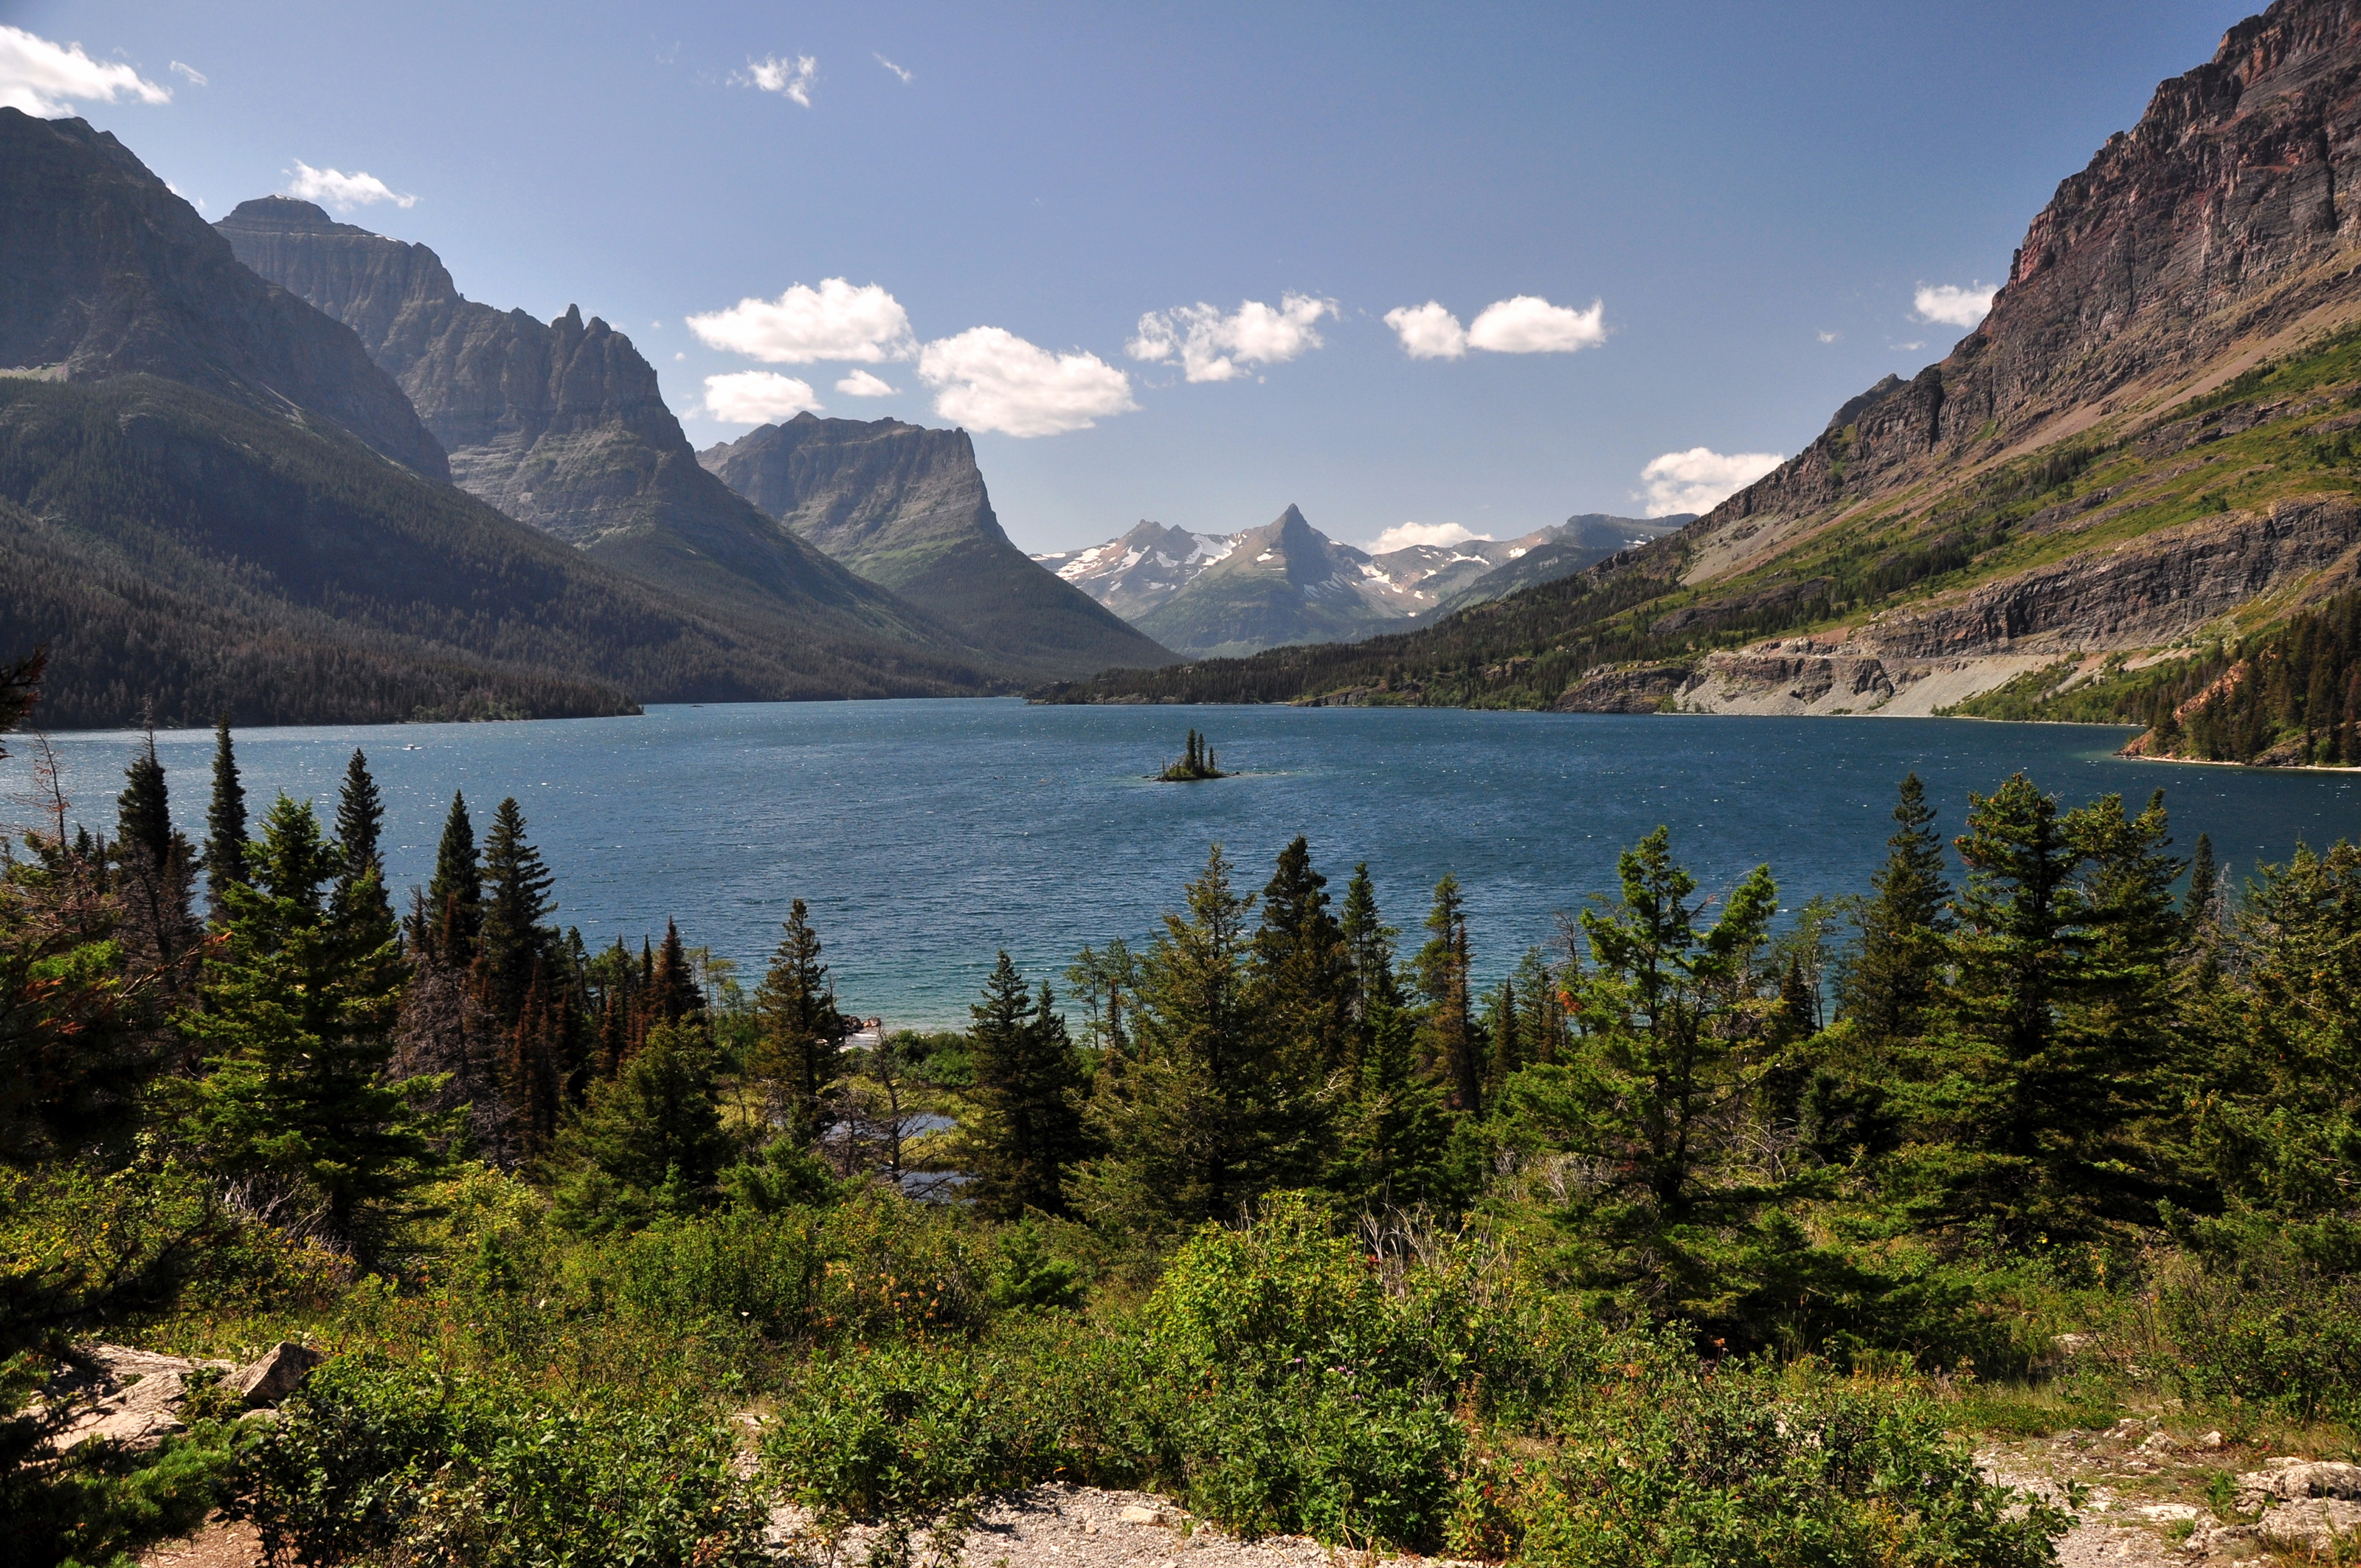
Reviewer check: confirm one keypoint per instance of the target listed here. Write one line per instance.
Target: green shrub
(472, 1471)
(2287, 1337)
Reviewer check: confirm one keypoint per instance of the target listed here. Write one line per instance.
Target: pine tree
(298, 1029)
(673, 996)
(1025, 1132)
(650, 1143)
(1201, 1124)
(455, 897)
(362, 908)
(1892, 982)
(512, 942)
(225, 822)
(1442, 975)
(799, 1046)
(155, 863)
(2201, 908)
(1507, 1053)
(1302, 972)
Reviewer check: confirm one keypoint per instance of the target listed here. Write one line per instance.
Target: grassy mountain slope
(905, 507)
(173, 545)
(2144, 450)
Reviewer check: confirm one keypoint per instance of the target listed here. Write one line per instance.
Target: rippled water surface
(928, 835)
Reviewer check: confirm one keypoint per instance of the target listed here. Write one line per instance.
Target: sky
(1423, 272)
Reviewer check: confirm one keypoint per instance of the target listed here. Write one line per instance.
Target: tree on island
(1196, 763)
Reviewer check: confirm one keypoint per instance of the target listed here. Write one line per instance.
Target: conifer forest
(1721, 1231)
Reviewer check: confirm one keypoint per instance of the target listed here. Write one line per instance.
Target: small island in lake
(1196, 763)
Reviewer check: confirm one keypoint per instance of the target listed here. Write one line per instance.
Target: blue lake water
(926, 835)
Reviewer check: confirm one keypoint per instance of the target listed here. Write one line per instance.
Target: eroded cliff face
(907, 508)
(111, 274)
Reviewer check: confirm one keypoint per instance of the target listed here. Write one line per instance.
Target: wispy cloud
(196, 78)
(1402, 535)
(1952, 305)
(46, 79)
(1213, 346)
(1700, 478)
(757, 397)
(335, 188)
(835, 321)
(1830, 337)
(861, 384)
(1524, 324)
(988, 378)
(893, 68)
(790, 76)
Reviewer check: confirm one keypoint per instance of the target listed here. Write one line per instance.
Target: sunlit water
(926, 835)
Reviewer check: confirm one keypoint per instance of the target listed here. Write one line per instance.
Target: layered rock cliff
(905, 506)
(104, 272)
(560, 424)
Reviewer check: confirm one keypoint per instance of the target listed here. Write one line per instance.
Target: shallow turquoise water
(928, 835)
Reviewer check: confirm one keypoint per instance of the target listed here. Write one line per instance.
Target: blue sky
(1752, 195)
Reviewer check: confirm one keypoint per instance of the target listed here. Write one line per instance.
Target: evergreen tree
(673, 996)
(225, 822)
(1504, 1028)
(1442, 975)
(1541, 1028)
(455, 897)
(799, 1046)
(1302, 972)
(1891, 981)
(1201, 1124)
(2201, 908)
(650, 1143)
(155, 863)
(1025, 1132)
(512, 942)
(298, 1027)
(362, 908)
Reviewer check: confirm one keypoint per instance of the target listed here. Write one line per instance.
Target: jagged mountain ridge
(562, 426)
(107, 273)
(2144, 446)
(1284, 582)
(1135, 573)
(211, 543)
(907, 508)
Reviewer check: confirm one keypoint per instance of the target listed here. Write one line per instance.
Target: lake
(927, 836)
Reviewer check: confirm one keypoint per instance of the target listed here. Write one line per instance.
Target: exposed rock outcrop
(104, 272)
(905, 506)
(1643, 688)
(560, 424)
(112, 1393)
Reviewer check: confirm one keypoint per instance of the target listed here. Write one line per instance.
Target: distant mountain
(104, 272)
(561, 424)
(905, 507)
(1347, 592)
(1284, 582)
(1581, 541)
(189, 514)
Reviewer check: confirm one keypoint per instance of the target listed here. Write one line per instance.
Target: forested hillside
(1715, 1234)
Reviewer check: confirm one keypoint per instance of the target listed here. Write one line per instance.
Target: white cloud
(44, 79)
(1830, 337)
(343, 191)
(790, 76)
(1952, 305)
(757, 397)
(1531, 324)
(1428, 331)
(1402, 535)
(861, 384)
(1524, 324)
(1699, 479)
(835, 321)
(989, 379)
(1212, 347)
(893, 68)
(196, 78)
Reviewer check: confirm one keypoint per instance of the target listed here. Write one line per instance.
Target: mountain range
(2141, 461)
(1218, 595)
(210, 497)
(905, 507)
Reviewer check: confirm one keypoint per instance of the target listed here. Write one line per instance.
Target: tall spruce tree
(1026, 1130)
(455, 897)
(225, 822)
(298, 1029)
(513, 942)
(1443, 965)
(362, 908)
(156, 865)
(650, 1143)
(673, 996)
(1891, 981)
(800, 1044)
(1302, 975)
